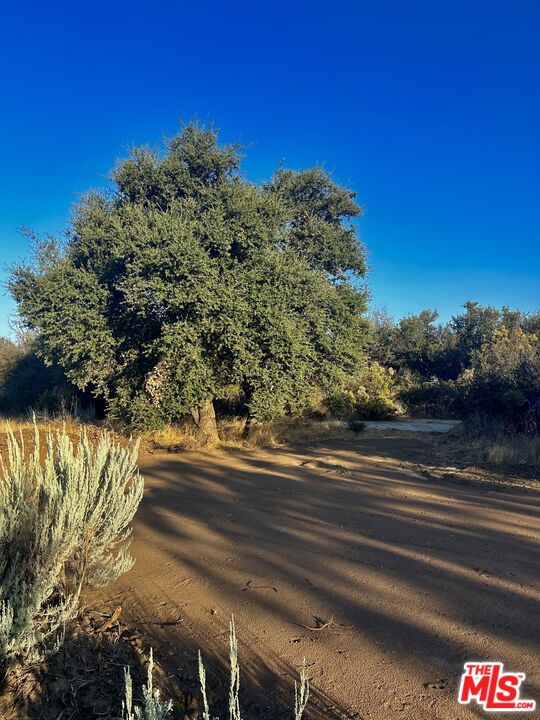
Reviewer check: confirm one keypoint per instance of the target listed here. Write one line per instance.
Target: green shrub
(504, 379)
(433, 398)
(370, 394)
(29, 385)
(64, 523)
(484, 361)
(356, 426)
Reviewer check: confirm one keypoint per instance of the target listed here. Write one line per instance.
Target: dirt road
(414, 574)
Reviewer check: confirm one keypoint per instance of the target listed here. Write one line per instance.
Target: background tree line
(483, 361)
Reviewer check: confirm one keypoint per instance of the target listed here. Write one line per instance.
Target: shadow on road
(416, 574)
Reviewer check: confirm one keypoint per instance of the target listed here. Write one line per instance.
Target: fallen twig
(324, 625)
(250, 586)
(108, 623)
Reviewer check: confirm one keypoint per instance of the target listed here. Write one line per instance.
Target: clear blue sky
(429, 110)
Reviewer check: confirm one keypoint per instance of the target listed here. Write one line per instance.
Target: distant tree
(473, 328)
(188, 279)
(414, 340)
(424, 346)
(382, 331)
(531, 323)
(483, 361)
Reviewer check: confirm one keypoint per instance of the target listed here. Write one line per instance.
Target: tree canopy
(187, 279)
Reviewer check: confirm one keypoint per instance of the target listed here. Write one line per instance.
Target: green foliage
(370, 394)
(474, 327)
(504, 378)
(64, 523)
(9, 353)
(433, 397)
(356, 426)
(483, 361)
(189, 279)
(315, 208)
(417, 343)
(28, 385)
(26, 382)
(430, 349)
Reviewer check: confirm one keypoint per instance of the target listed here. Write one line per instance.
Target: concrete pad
(415, 425)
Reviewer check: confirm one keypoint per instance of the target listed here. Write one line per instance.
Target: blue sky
(430, 111)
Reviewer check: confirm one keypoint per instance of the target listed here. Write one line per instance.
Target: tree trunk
(247, 390)
(207, 422)
(250, 422)
(248, 425)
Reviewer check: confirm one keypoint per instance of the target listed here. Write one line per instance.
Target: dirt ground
(415, 568)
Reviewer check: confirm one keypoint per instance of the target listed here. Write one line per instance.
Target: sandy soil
(416, 571)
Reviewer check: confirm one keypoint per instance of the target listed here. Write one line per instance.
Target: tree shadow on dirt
(426, 572)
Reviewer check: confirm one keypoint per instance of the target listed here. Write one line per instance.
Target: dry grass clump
(283, 431)
(181, 436)
(490, 441)
(186, 436)
(296, 431)
(71, 425)
(509, 449)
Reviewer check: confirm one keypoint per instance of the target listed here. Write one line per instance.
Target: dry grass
(26, 430)
(183, 436)
(285, 431)
(495, 448)
(17, 424)
(186, 436)
(509, 449)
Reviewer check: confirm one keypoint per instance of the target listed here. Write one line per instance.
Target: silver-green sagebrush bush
(64, 523)
(153, 708)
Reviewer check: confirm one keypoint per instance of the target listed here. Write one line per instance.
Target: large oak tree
(187, 279)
